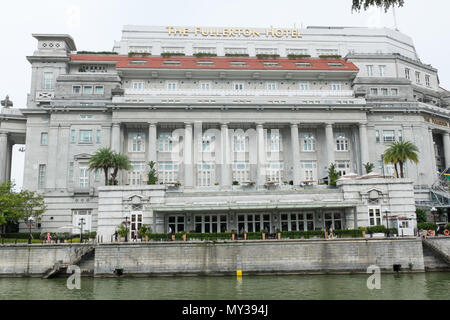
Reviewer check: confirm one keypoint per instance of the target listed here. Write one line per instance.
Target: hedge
(21, 235)
(158, 236)
(209, 236)
(330, 56)
(204, 54)
(170, 54)
(352, 233)
(267, 56)
(139, 54)
(298, 56)
(376, 229)
(236, 55)
(97, 52)
(254, 235)
(302, 234)
(427, 226)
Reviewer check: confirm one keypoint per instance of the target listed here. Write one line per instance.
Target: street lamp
(30, 224)
(81, 223)
(126, 223)
(387, 221)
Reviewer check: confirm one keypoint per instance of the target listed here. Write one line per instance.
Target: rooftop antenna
(395, 18)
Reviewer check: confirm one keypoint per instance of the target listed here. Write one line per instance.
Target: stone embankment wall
(35, 260)
(259, 257)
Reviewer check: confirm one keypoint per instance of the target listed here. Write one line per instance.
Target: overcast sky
(95, 25)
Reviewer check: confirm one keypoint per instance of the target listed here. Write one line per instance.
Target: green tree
(119, 162)
(19, 206)
(398, 153)
(102, 160)
(152, 177)
(386, 4)
(122, 230)
(421, 215)
(369, 167)
(333, 175)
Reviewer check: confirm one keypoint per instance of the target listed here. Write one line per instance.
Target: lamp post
(126, 223)
(81, 223)
(387, 222)
(30, 224)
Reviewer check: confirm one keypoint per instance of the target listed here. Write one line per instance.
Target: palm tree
(102, 160)
(399, 153)
(119, 162)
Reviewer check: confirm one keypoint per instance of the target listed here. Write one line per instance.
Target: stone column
(329, 143)
(52, 159)
(364, 145)
(63, 155)
(295, 149)
(261, 163)
(9, 161)
(225, 170)
(3, 156)
(152, 142)
(432, 155)
(115, 137)
(188, 165)
(446, 142)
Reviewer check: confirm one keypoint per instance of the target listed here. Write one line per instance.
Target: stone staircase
(84, 261)
(437, 252)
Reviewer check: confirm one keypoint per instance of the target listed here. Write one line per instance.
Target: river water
(285, 287)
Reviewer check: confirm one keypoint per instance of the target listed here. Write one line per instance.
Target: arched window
(341, 143)
(240, 142)
(309, 142)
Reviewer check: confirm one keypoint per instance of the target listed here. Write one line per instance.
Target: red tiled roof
(157, 62)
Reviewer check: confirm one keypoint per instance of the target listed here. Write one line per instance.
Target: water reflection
(296, 287)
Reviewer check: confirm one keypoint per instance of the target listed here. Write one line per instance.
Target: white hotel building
(240, 140)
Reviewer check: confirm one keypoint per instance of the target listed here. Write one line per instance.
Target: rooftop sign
(234, 32)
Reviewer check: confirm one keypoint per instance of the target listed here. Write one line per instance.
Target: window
(138, 62)
(171, 86)
(172, 62)
(309, 170)
(165, 142)
(240, 142)
(274, 141)
(335, 64)
(271, 64)
(48, 80)
(254, 222)
(176, 223)
(44, 138)
(205, 85)
(85, 116)
(99, 90)
(271, 86)
(369, 69)
(81, 221)
(136, 221)
(303, 64)
(97, 175)
(427, 80)
(137, 85)
(384, 92)
(309, 142)
(297, 221)
(374, 91)
(87, 89)
(208, 143)
(73, 136)
(136, 177)
(343, 167)
(274, 172)
(382, 70)
(375, 216)
(336, 86)
(241, 172)
(205, 63)
(210, 223)
(85, 136)
(92, 68)
(400, 135)
(76, 89)
(71, 171)
(239, 86)
(388, 135)
(333, 220)
(417, 77)
(304, 86)
(407, 74)
(84, 175)
(136, 142)
(41, 177)
(377, 136)
(238, 63)
(341, 143)
(99, 136)
(206, 174)
(167, 172)
(394, 92)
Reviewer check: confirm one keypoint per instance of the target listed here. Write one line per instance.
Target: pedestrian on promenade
(170, 233)
(116, 235)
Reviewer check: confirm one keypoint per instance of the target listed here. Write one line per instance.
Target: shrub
(427, 226)
(171, 54)
(97, 52)
(138, 54)
(158, 236)
(447, 227)
(298, 56)
(204, 54)
(236, 54)
(330, 56)
(21, 235)
(209, 236)
(376, 229)
(235, 183)
(302, 234)
(351, 233)
(254, 235)
(421, 215)
(267, 56)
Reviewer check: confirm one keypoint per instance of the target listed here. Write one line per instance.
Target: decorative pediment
(373, 195)
(136, 199)
(82, 156)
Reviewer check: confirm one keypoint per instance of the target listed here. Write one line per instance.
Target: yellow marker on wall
(239, 274)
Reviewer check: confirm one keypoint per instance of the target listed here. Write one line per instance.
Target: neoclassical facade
(242, 128)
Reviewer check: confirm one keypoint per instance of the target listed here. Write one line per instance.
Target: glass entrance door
(136, 223)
